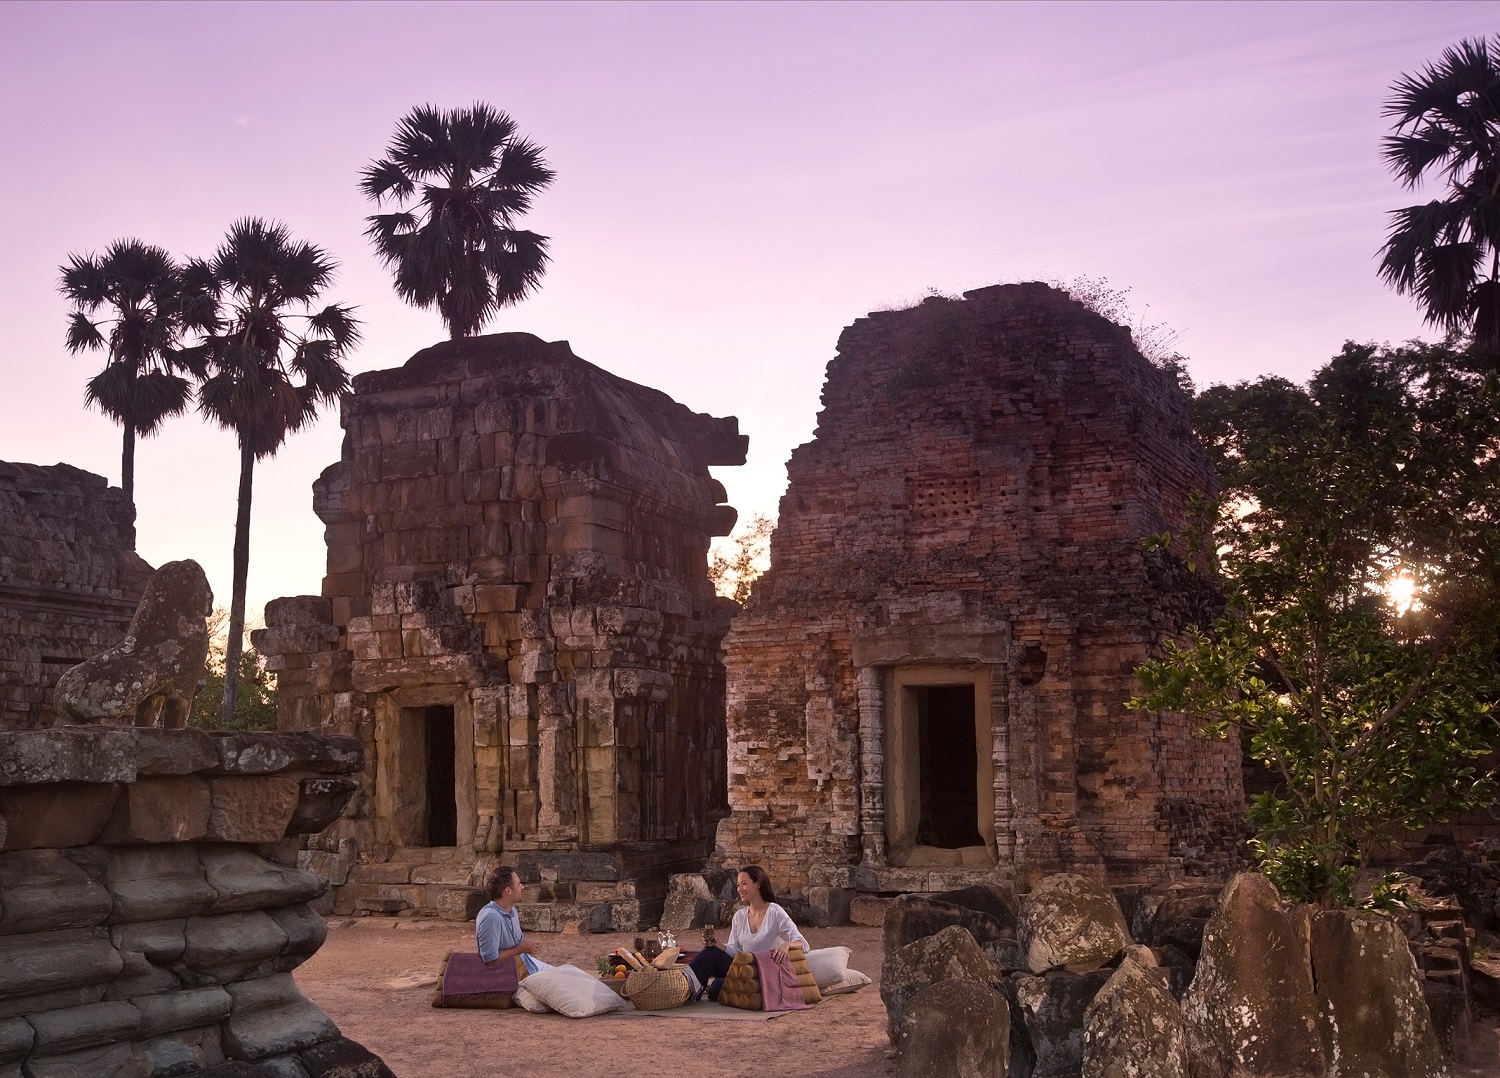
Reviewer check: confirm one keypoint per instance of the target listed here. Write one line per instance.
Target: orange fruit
(620, 974)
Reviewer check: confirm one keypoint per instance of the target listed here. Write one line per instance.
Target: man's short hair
(500, 879)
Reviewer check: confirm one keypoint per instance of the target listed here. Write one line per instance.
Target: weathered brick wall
(149, 915)
(522, 537)
(69, 581)
(982, 472)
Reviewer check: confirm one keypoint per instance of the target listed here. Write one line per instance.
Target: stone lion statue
(150, 677)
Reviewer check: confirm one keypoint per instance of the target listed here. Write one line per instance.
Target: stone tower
(517, 621)
(928, 685)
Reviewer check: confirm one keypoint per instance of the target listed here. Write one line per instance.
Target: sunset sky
(735, 184)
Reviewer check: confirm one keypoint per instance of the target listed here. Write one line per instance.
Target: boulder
(1052, 1008)
(1251, 1010)
(689, 901)
(1374, 1019)
(954, 1029)
(151, 676)
(1070, 922)
(1133, 1027)
(913, 917)
(950, 955)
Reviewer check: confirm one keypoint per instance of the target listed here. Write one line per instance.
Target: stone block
(343, 1058)
(66, 754)
(160, 941)
(41, 890)
(159, 810)
(116, 1060)
(246, 881)
(868, 910)
(333, 867)
(16, 1039)
(320, 801)
(380, 873)
(68, 1030)
(55, 815)
(180, 1010)
(272, 1017)
(12, 1006)
(151, 883)
(227, 944)
(173, 752)
(140, 977)
(264, 754)
(305, 930)
(187, 1051)
(251, 809)
(41, 962)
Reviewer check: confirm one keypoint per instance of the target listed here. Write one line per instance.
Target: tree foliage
(1383, 467)
(1446, 252)
(735, 565)
(463, 178)
(266, 378)
(255, 703)
(142, 383)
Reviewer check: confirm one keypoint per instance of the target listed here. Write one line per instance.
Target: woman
(761, 925)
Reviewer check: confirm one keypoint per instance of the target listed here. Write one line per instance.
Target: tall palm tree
(264, 379)
(140, 385)
(458, 248)
(1446, 252)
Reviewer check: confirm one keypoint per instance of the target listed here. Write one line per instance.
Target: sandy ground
(375, 975)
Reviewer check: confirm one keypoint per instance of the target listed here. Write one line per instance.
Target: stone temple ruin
(927, 686)
(69, 581)
(518, 625)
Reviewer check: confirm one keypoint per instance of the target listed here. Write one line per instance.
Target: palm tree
(458, 248)
(140, 386)
(264, 379)
(1446, 252)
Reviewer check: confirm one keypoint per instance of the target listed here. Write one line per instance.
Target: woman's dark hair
(762, 879)
(500, 880)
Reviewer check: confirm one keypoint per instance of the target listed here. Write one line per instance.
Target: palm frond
(83, 281)
(380, 179)
(83, 335)
(337, 322)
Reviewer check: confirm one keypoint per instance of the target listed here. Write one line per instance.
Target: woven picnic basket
(656, 989)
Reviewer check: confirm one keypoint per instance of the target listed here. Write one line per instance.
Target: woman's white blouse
(778, 925)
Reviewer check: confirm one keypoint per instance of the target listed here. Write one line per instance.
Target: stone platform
(151, 910)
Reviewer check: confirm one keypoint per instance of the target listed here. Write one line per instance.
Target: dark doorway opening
(442, 788)
(949, 767)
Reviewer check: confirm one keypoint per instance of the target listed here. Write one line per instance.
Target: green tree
(255, 702)
(734, 572)
(142, 382)
(1446, 252)
(472, 175)
(1371, 712)
(265, 379)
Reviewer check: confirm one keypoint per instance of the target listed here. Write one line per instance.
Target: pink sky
(735, 184)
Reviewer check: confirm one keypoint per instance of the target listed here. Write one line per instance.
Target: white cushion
(853, 981)
(828, 964)
(571, 991)
(526, 1001)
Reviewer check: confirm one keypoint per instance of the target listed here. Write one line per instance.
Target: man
(497, 929)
